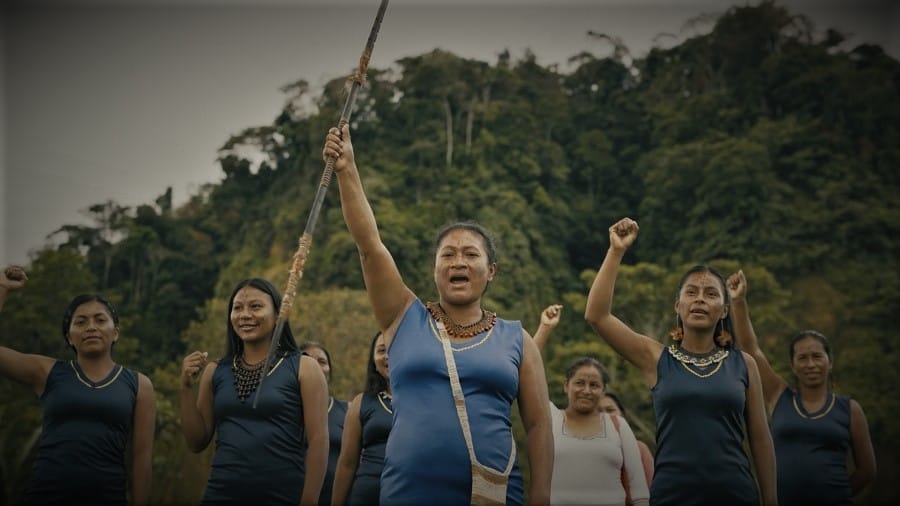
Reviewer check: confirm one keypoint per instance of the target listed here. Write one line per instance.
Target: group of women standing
(434, 423)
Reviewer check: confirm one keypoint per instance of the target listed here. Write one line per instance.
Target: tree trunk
(449, 123)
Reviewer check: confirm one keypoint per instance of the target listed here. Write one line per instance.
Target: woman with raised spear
(456, 368)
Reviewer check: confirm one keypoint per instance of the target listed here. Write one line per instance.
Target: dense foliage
(755, 146)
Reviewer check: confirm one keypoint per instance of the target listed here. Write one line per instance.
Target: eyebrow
(98, 313)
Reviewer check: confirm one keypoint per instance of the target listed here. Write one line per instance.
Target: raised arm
(862, 450)
(745, 336)
(549, 320)
(638, 349)
(388, 293)
(144, 426)
(197, 415)
(761, 447)
(351, 448)
(534, 408)
(31, 370)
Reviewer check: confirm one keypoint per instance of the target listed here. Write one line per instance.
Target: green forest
(759, 145)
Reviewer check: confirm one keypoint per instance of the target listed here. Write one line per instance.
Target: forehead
(461, 238)
(249, 293)
(808, 345)
(379, 342)
(586, 372)
(91, 308)
(702, 280)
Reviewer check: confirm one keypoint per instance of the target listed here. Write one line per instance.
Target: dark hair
(234, 346)
(615, 397)
(76, 303)
(315, 344)
(725, 322)
(473, 227)
(588, 361)
(374, 382)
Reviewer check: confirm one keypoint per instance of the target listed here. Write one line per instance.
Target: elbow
(196, 444)
(196, 448)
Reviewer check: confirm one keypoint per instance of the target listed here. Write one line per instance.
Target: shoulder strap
(460, 402)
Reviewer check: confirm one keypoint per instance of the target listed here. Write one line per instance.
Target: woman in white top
(591, 448)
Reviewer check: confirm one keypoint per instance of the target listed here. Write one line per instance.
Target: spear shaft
(303, 244)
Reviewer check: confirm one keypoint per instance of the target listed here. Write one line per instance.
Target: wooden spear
(296, 272)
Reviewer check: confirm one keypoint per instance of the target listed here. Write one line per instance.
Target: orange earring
(677, 333)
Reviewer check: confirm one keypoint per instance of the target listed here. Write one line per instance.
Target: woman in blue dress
(366, 430)
(276, 452)
(705, 392)
(813, 428)
(92, 408)
(427, 456)
(337, 410)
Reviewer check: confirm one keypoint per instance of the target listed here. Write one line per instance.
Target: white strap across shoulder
(460, 402)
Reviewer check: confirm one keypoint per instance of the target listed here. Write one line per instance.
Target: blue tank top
(700, 458)
(260, 452)
(86, 427)
(375, 417)
(811, 451)
(337, 411)
(426, 459)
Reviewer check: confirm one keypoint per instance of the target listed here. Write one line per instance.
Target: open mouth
(455, 280)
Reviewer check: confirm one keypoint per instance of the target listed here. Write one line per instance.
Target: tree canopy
(755, 146)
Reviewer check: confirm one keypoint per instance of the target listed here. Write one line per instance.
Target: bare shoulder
(144, 383)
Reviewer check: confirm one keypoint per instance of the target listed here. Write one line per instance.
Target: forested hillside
(756, 146)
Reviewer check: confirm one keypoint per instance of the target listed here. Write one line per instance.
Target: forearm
(316, 462)
(357, 211)
(542, 335)
(860, 479)
(343, 479)
(192, 425)
(599, 302)
(140, 478)
(743, 327)
(540, 459)
(764, 463)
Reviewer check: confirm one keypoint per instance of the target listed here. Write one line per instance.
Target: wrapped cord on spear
(357, 80)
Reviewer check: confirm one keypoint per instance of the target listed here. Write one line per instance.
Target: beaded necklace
(487, 321)
(699, 360)
(246, 376)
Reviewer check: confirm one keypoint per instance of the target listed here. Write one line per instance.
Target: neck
(813, 393)
(464, 314)
(255, 352)
(698, 342)
(100, 365)
(574, 414)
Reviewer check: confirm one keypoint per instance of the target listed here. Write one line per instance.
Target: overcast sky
(120, 100)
